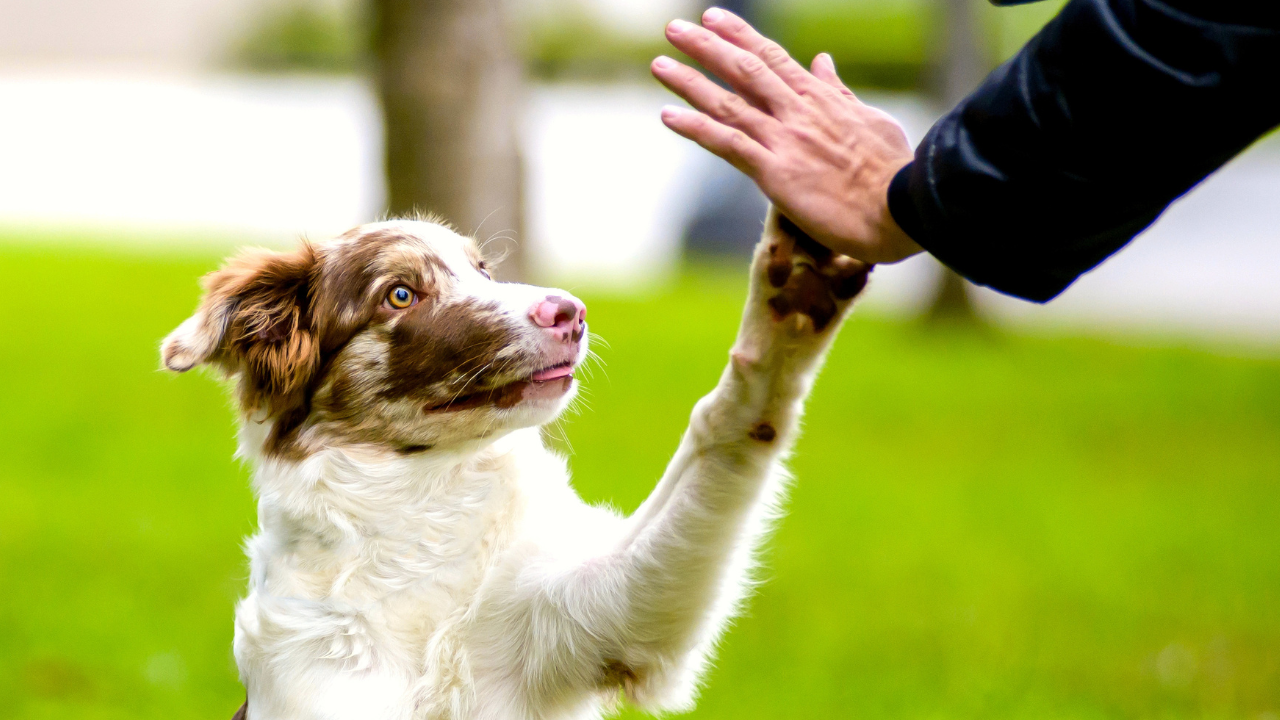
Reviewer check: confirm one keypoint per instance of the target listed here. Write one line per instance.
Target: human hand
(822, 156)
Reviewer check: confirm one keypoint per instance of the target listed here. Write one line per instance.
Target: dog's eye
(401, 297)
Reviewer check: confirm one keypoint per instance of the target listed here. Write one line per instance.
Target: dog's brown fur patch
(763, 431)
(810, 277)
(458, 344)
(284, 323)
(616, 673)
(268, 336)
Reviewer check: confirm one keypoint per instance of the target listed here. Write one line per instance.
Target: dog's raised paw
(809, 279)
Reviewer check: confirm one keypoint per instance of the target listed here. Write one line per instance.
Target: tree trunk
(450, 85)
(964, 62)
(952, 301)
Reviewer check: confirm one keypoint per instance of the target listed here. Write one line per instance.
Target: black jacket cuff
(974, 261)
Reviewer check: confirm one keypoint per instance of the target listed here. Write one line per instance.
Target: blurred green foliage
(887, 44)
(980, 527)
(876, 43)
(304, 36)
(892, 44)
(575, 45)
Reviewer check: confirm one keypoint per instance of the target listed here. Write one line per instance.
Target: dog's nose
(562, 315)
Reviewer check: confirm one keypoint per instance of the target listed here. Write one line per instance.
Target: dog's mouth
(510, 394)
(555, 372)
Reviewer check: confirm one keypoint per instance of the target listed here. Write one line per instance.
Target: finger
(715, 101)
(744, 72)
(731, 144)
(824, 68)
(737, 32)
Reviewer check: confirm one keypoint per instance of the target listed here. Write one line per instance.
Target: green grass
(980, 527)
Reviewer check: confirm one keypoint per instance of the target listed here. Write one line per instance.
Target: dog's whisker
(483, 221)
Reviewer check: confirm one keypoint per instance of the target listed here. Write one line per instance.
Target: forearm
(1081, 140)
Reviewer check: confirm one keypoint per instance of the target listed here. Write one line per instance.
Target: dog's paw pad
(811, 280)
(806, 293)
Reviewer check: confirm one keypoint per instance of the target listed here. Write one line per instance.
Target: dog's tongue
(552, 373)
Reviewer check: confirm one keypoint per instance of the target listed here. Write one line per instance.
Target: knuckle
(730, 106)
(829, 93)
(774, 54)
(751, 65)
(789, 175)
(804, 134)
(738, 144)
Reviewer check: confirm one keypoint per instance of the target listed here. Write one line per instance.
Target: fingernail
(713, 15)
(662, 62)
(679, 26)
(671, 112)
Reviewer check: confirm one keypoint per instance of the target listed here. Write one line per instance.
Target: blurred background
(1001, 509)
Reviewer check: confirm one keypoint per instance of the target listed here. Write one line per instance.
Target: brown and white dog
(420, 553)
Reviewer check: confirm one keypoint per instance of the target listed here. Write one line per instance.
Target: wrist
(896, 244)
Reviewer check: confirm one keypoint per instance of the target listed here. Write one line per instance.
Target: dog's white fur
(472, 582)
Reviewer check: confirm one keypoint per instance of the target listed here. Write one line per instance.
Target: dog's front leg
(644, 612)
(644, 609)
(685, 558)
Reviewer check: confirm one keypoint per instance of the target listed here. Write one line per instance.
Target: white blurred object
(264, 157)
(252, 159)
(169, 34)
(642, 18)
(609, 187)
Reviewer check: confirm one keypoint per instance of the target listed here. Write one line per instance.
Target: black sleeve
(1064, 153)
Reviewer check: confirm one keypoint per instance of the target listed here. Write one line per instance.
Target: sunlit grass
(980, 527)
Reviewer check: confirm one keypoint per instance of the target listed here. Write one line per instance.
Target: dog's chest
(398, 569)
(434, 570)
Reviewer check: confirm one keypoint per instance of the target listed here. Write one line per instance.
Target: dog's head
(392, 335)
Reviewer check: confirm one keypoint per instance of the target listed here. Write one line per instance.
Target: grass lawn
(980, 527)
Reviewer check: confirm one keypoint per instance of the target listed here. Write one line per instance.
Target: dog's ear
(254, 321)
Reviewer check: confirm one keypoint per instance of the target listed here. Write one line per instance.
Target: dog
(420, 553)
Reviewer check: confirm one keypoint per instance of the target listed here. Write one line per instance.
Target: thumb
(824, 68)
